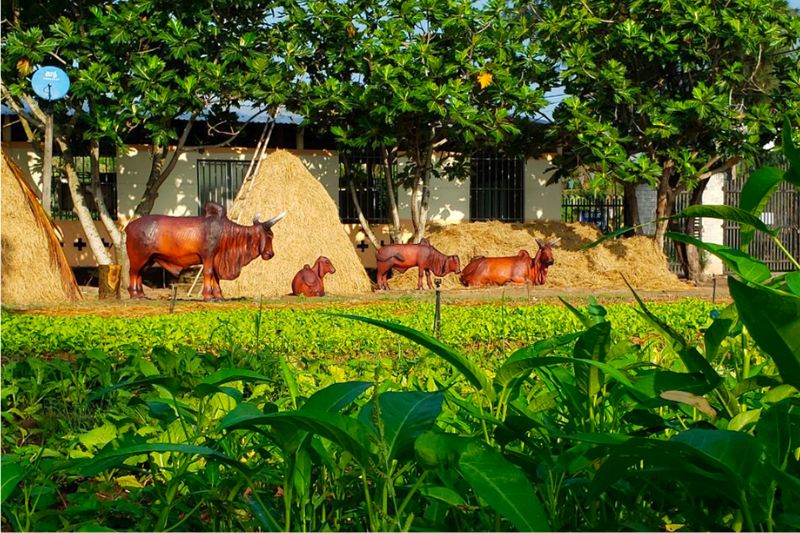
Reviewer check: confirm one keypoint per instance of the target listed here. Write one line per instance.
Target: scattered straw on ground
(34, 268)
(311, 228)
(601, 267)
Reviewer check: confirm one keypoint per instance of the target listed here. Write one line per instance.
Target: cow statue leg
(208, 281)
(428, 278)
(216, 289)
(383, 269)
(137, 266)
(420, 270)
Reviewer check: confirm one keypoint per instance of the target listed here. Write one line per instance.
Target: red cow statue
(425, 257)
(213, 240)
(514, 270)
(308, 281)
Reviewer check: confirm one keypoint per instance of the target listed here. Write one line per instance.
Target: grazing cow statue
(425, 257)
(213, 240)
(513, 270)
(308, 281)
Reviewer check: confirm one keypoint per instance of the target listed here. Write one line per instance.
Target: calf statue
(425, 257)
(212, 240)
(308, 281)
(513, 270)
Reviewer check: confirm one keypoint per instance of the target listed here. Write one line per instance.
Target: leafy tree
(670, 93)
(413, 78)
(139, 65)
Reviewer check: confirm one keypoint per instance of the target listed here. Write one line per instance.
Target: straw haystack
(311, 228)
(34, 268)
(601, 267)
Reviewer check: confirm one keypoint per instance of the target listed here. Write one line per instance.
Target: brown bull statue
(425, 257)
(214, 241)
(308, 281)
(513, 270)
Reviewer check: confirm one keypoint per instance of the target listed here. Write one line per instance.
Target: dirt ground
(160, 300)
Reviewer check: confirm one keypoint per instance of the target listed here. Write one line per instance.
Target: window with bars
(497, 190)
(367, 171)
(61, 204)
(219, 181)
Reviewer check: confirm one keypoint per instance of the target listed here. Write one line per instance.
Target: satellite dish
(50, 83)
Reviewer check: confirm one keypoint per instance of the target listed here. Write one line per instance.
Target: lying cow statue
(514, 270)
(213, 240)
(425, 257)
(308, 281)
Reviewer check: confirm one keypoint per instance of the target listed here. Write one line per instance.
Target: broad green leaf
(443, 494)
(226, 375)
(114, 458)
(406, 415)
(725, 212)
(434, 450)
(503, 486)
(348, 433)
(11, 472)
(516, 362)
(334, 397)
(169, 383)
(754, 197)
(793, 282)
(592, 344)
(718, 331)
(744, 419)
(738, 453)
(468, 369)
(99, 436)
(748, 267)
(651, 384)
(288, 377)
(773, 320)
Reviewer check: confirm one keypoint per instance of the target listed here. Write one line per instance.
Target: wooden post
(47, 163)
(108, 277)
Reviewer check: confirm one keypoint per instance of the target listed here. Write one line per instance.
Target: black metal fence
(781, 212)
(367, 172)
(219, 181)
(61, 205)
(605, 212)
(497, 188)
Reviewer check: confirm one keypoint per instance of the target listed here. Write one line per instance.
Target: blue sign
(50, 83)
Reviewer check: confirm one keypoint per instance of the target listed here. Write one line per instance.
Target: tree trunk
(630, 208)
(691, 266)
(664, 200)
(154, 181)
(108, 281)
(117, 236)
(395, 231)
(84, 216)
(361, 218)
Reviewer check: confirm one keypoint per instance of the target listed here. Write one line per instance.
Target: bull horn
(255, 219)
(554, 241)
(274, 220)
(540, 242)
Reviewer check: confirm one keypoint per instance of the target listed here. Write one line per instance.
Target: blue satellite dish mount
(50, 83)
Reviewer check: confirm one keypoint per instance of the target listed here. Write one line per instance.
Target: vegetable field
(519, 417)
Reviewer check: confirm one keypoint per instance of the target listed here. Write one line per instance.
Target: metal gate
(782, 211)
(497, 188)
(219, 181)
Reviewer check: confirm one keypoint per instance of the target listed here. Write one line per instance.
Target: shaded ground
(160, 301)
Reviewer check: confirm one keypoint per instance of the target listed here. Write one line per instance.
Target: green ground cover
(522, 417)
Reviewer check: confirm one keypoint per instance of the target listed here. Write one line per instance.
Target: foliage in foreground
(578, 431)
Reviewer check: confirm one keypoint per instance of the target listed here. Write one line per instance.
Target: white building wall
(647, 201)
(542, 201)
(712, 228)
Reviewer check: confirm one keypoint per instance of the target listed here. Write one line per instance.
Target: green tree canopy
(669, 93)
